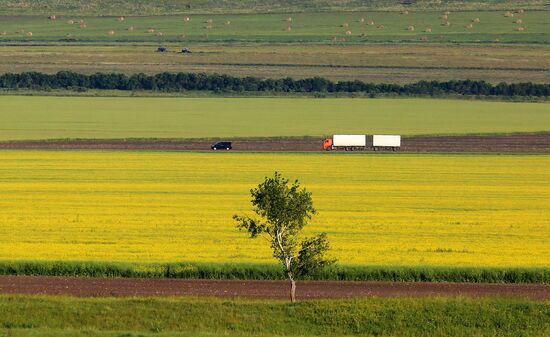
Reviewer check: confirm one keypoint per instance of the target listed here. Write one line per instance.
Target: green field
(102, 317)
(144, 7)
(333, 27)
(89, 117)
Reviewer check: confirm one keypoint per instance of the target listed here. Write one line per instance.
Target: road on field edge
(128, 287)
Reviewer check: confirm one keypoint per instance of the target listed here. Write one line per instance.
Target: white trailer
(346, 142)
(386, 142)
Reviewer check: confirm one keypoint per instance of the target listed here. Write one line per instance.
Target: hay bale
(131, 28)
(70, 22)
(509, 14)
(410, 28)
(362, 20)
(345, 25)
(288, 29)
(3, 33)
(476, 20)
(120, 19)
(111, 33)
(150, 30)
(53, 17)
(446, 23)
(289, 19)
(405, 12)
(370, 23)
(186, 19)
(158, 34)
(209, 21)
(81, 21)
(29, 34)
(83, 26)
(348, 33)
(424, 38)
(520, 11)
(469, 26)
(520, 29)
(428, 29)
(380, 26)
(446, 13)
(227, 23)
(518, 21)
(444, 17)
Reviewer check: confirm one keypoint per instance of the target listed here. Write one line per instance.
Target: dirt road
(521, 143)
(123, 287)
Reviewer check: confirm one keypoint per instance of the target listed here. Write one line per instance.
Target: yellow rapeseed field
(378, 209)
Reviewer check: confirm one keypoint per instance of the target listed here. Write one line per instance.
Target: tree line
(173, 82)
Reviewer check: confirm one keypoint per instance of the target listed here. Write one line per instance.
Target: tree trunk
(292, 290)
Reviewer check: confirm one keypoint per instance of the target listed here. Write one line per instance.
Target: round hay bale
(83, 26)
(3, 33)
(381, 26)
(348, 33)
(81, 21)
(446, 13)
(186, 19)
(29, 34)
(424, 38)
(476, 20)
(469, 26)
(227, 23)
(518, 21)
(131, 28)
(509, 14)
(210, 21)
(362, 20)
(446, 23)
(444, 17)
(53, 17)
(158, 34)
(410, 28)
(428, 29)
(345, 25)
(520, 11)
(150, 30)
(520, 29)
(405, 12)
(70, 22)
(111, 33)
(289, 19)
(288, 29)
(370, 23)
(497, 40)
(120, 19)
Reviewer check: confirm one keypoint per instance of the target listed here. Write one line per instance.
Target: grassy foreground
(61, 316)
(147, 117)
(378, 209)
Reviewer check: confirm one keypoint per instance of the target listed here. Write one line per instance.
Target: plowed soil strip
(123, 287)
(520, 143)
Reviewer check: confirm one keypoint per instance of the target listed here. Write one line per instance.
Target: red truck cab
(327, 144)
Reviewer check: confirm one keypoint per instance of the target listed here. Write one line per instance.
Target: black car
(221, 146)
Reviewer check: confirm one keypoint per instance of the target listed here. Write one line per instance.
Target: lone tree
(282, 210)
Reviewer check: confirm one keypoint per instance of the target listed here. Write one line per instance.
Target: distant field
(145, 7)
(329, 28)
(378, 210)
(366, 62)
(138, 117)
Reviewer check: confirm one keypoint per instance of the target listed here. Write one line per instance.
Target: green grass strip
(48, 316)
(273, 272)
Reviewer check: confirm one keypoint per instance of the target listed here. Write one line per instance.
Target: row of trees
(173, 82)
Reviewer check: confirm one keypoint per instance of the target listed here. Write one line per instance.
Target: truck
(386, 142)
(360, 143)
(346, 143)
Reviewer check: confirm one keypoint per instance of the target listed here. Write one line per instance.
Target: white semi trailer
(386, 142)
(346, 142)
(360, 143)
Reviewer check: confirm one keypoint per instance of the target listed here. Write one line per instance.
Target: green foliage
(26, 315)
(273, 272)
(284, 209)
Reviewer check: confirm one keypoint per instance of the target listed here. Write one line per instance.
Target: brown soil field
(123, 287)
(520, 143)
(382, 63)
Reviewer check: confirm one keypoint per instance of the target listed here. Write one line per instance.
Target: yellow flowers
(389, 209)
